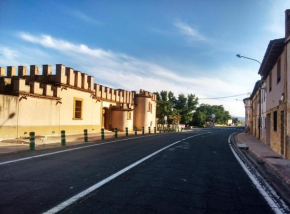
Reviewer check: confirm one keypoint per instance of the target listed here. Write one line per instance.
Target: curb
(56, 145)
(268, 164)
(254, 165)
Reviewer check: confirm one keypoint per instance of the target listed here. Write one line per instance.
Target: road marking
(274, 206)
(78, 148)
(73, 199)
(68, 150)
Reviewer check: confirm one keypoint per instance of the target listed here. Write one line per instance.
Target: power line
(222, 97)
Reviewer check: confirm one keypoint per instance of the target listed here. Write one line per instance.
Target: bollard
(63, 142)
(154, 130)
(143, 130)
(135, 130)
(32, 141)
(149, 130)
(103, 134)
(85, 135)
(126, 131)
(159, 130)
(178, 129)
(116, 133)
(163, 130)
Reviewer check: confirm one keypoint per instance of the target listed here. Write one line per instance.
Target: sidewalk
(266, 155)
(44, 142)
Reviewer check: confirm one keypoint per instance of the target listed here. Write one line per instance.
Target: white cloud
(191, 33)
(82, 16)
(124, 71)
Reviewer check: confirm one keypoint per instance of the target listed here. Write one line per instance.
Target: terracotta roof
(274, 50)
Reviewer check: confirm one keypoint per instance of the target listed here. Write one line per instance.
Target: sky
(182, 46)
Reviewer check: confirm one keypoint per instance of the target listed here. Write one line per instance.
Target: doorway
(282, 132)
(106, 118)
(268, 126)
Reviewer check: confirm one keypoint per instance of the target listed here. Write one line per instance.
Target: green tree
(163, 106)
(183, 105)
(204, 111)
(235, 120)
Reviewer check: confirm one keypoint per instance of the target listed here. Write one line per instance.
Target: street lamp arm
(240, 56)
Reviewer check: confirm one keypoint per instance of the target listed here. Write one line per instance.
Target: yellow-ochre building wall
(46, 103)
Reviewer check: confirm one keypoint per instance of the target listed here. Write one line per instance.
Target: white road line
(73, 199)
(68, 150)
(261, 189)
(78, 148)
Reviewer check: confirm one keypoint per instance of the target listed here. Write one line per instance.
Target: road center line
(73, 199)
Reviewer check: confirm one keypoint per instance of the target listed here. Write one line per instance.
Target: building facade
(67, 100)
(275, 95)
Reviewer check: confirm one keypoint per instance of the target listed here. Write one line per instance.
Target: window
(150, 107)
(78, 108)
(275, 121)
(278, 70)
(129, 115)
(270, 82)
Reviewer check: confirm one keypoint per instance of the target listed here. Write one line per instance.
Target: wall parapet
(50, 85)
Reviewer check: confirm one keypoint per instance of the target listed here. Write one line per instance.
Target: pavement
(44, 142)
(196, 172)
(279, 165)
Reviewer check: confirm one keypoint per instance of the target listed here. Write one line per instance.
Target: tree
(183, 105)
(235, 120)
(204, 111)
(163, 106)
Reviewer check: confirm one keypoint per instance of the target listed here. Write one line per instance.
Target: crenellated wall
(44, 103)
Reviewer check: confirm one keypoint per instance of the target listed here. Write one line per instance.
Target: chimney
(287, 23)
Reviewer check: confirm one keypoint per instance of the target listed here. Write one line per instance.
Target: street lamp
(260, 107)
(240, 56)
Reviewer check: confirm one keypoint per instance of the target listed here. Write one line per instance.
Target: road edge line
(78, 148)
(273, 205)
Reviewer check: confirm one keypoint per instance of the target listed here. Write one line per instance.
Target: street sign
(179, 118)
(165, 118)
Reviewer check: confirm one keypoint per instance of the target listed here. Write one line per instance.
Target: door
(282, 132)
(268, 126)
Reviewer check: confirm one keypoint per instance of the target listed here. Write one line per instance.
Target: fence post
(103, 134)
(63, 142)
(126, 131)
(135, 130)
(143, 130)
(32, 141)
(116, 133)
(85, 135)
(149, 130)
(154, 130)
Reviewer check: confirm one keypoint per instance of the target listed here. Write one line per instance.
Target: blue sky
(182, 46)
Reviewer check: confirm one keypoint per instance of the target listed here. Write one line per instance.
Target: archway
(106, 118)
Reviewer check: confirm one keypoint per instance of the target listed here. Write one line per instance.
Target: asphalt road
(197, 175)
